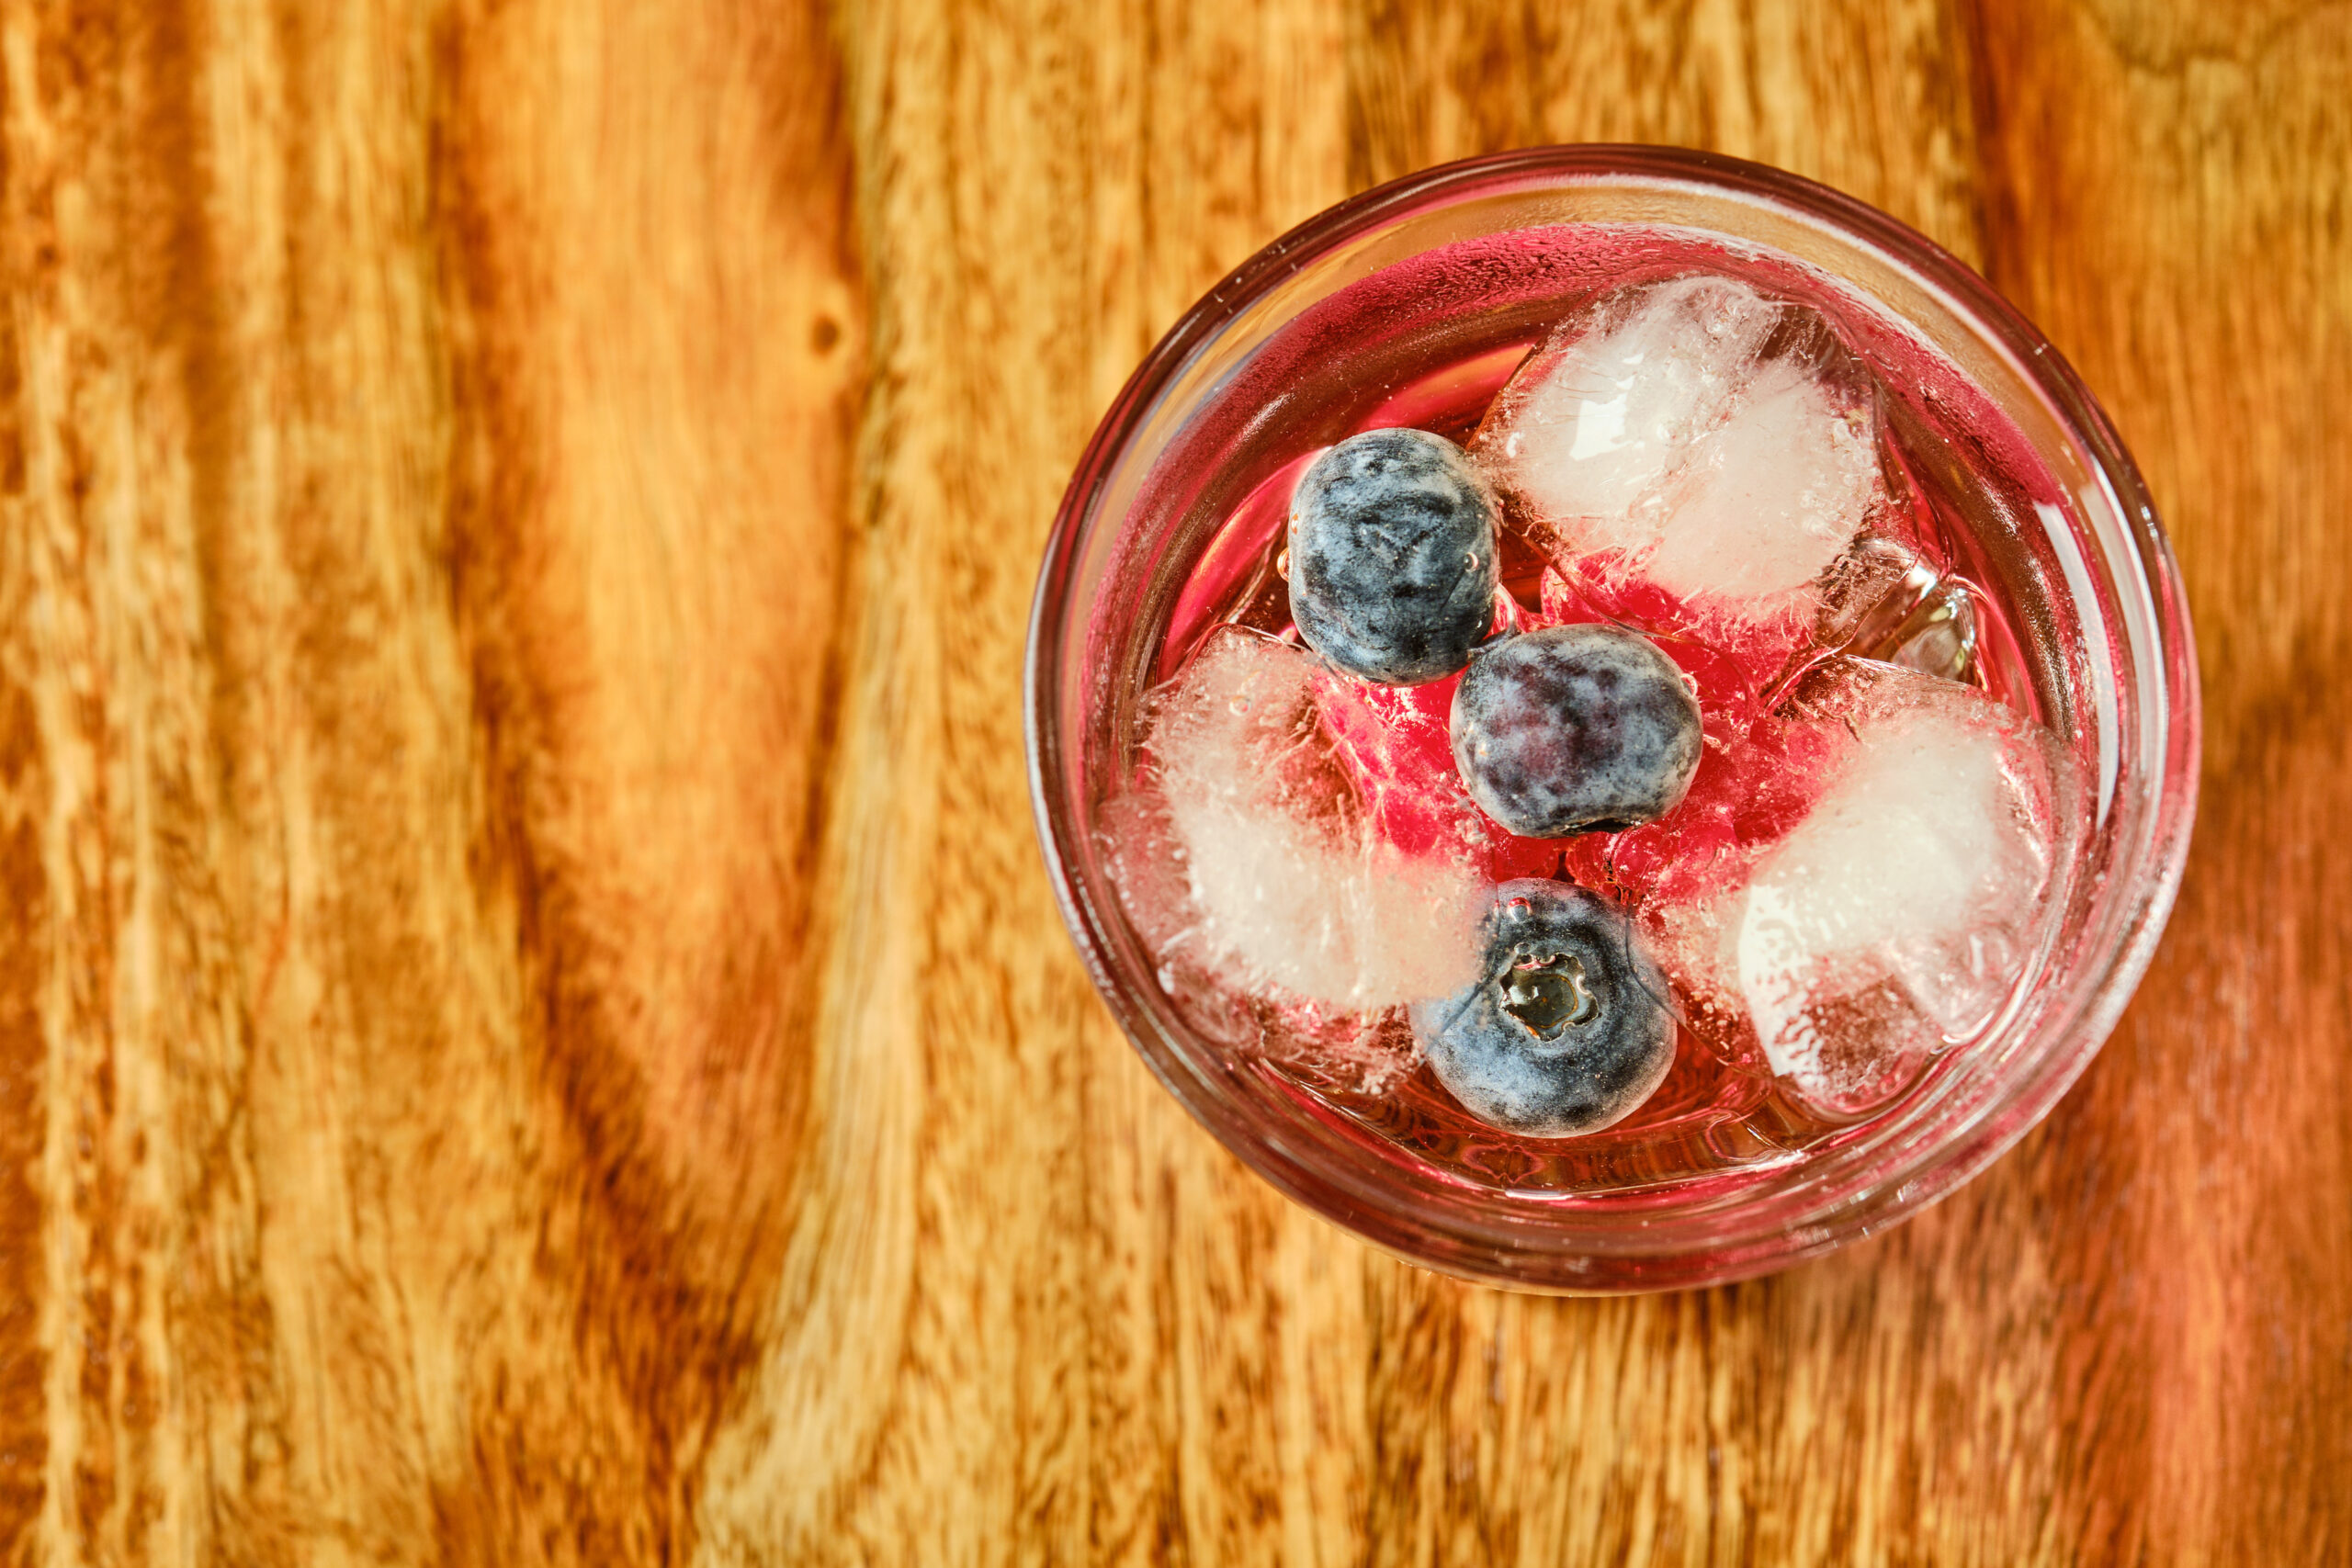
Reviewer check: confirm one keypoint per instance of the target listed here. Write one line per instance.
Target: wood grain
(531, 1026)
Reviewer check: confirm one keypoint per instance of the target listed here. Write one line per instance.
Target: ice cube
(1610, 409)
(1290, 888)
(1867, 591)
(1939, 636)
(1707, 438)
(1349, 1051)
(1882, 600)
(1898, 915)
(1590, 430)
(1769, 498)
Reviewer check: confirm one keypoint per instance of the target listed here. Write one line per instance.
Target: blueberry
(1393, 557)
(1568, 1031)
(1575, 730)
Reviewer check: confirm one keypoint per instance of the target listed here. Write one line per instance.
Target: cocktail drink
(1610, 720)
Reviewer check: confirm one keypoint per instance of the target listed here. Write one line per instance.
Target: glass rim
(1485, 1248)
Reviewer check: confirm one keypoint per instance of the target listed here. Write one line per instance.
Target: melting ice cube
(1769, 498)
(1903, 909)
(1289, 885)
(1592, 427)
(1700, 432)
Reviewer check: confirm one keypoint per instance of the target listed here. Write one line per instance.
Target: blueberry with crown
(1567, 1031)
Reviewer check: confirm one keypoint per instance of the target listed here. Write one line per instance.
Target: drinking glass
(1218, 407)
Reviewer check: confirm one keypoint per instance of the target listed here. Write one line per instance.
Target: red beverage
(1874, 576)
(1921, 592)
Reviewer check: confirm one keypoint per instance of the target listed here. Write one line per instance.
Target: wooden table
(532, 1028)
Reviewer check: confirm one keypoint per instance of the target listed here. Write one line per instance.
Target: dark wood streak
(24, 1047)
(670, 1206)
(24, 1438)
(215, 1386)
(68, 873)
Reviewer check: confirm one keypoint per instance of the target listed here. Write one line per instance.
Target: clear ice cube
(1868, 591)
(1881, 599)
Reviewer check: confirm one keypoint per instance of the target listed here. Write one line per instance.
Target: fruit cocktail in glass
(1610, 718)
